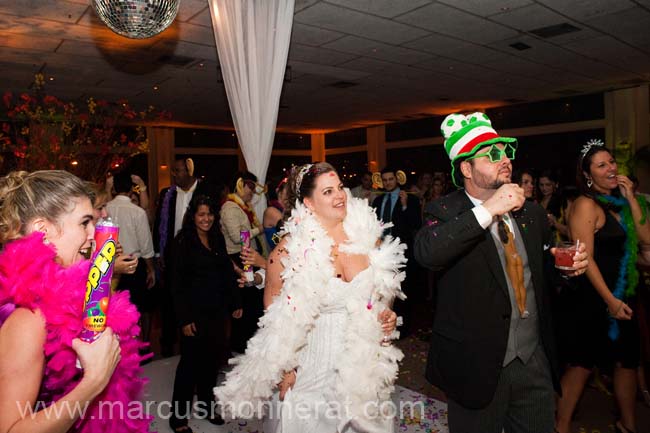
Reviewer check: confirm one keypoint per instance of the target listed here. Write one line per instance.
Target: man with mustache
(492, 350)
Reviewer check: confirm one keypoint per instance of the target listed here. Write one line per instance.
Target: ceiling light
(51, 78)
(75, 163)
(155, 87)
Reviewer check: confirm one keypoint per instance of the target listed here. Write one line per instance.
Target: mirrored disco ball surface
(137, 19)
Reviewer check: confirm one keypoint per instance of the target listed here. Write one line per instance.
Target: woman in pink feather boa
(46, 220)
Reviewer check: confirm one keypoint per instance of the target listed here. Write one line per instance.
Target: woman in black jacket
(205, 294)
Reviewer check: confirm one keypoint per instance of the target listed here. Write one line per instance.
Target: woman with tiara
(321, 361)
(602, 330)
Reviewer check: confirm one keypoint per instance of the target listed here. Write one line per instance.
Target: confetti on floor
(420, 414)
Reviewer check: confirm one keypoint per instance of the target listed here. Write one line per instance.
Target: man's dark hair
(122, 182)
(389, 169)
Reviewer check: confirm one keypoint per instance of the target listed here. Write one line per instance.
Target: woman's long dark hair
(189, 231)
(584, 166)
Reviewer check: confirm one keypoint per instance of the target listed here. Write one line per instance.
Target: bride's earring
(589, 182)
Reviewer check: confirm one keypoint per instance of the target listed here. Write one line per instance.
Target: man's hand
(403, 198)
(189, 330)
(125, 264)
(138, 181)
(509, 196)
(151, 278)
(238, 313)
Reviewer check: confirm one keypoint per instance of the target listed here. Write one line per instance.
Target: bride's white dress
(310, 406)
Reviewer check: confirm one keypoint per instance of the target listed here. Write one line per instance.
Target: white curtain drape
(253, 39)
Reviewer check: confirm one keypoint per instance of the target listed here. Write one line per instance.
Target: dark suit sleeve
(376, 203)
(156, 224)
(180, 272)
(444, 238)
(229, 277)
(413, 214)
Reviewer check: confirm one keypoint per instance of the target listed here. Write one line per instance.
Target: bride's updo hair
(46, 194)
(302, 182)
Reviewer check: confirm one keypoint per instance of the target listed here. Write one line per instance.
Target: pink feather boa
(30, 278)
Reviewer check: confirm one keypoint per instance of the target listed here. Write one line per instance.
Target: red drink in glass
(564, 253)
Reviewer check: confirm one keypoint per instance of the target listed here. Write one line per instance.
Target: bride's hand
(287, 383)
(388, 320)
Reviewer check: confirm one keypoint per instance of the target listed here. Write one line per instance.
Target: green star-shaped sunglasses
(496, 154)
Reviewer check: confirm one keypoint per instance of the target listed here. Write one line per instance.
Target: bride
(325, 335)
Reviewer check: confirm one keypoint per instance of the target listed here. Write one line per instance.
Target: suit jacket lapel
(489, 250)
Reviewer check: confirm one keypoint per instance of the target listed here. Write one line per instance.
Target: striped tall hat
(466, 134)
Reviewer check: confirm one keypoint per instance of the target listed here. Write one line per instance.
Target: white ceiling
(405, 58)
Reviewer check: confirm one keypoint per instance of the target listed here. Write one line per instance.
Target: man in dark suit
(396, 206)
(403, 210)
(492, 350)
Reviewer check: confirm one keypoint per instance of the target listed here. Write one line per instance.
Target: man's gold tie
(514, 266)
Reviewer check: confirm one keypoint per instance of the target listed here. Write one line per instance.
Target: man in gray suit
(492, 350)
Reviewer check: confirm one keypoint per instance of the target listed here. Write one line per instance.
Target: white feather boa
(367, 370)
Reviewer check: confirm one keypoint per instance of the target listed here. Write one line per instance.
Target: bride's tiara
(591, 143)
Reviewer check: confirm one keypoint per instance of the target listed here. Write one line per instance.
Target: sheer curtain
(252, 39)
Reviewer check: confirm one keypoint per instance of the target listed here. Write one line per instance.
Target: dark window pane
(347, 138)
(214, 168)
(564, 110)
(413, 129)
(280, 163)
(350, 166)
(292, 141)
(557, 152)
(215, 138)
(415, 160)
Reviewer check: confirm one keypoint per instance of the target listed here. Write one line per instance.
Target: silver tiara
(593, 142)
(303, 171)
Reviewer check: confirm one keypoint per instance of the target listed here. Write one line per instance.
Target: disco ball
(137, 19)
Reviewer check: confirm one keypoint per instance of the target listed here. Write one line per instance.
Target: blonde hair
(98, 192)
(45, 194)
